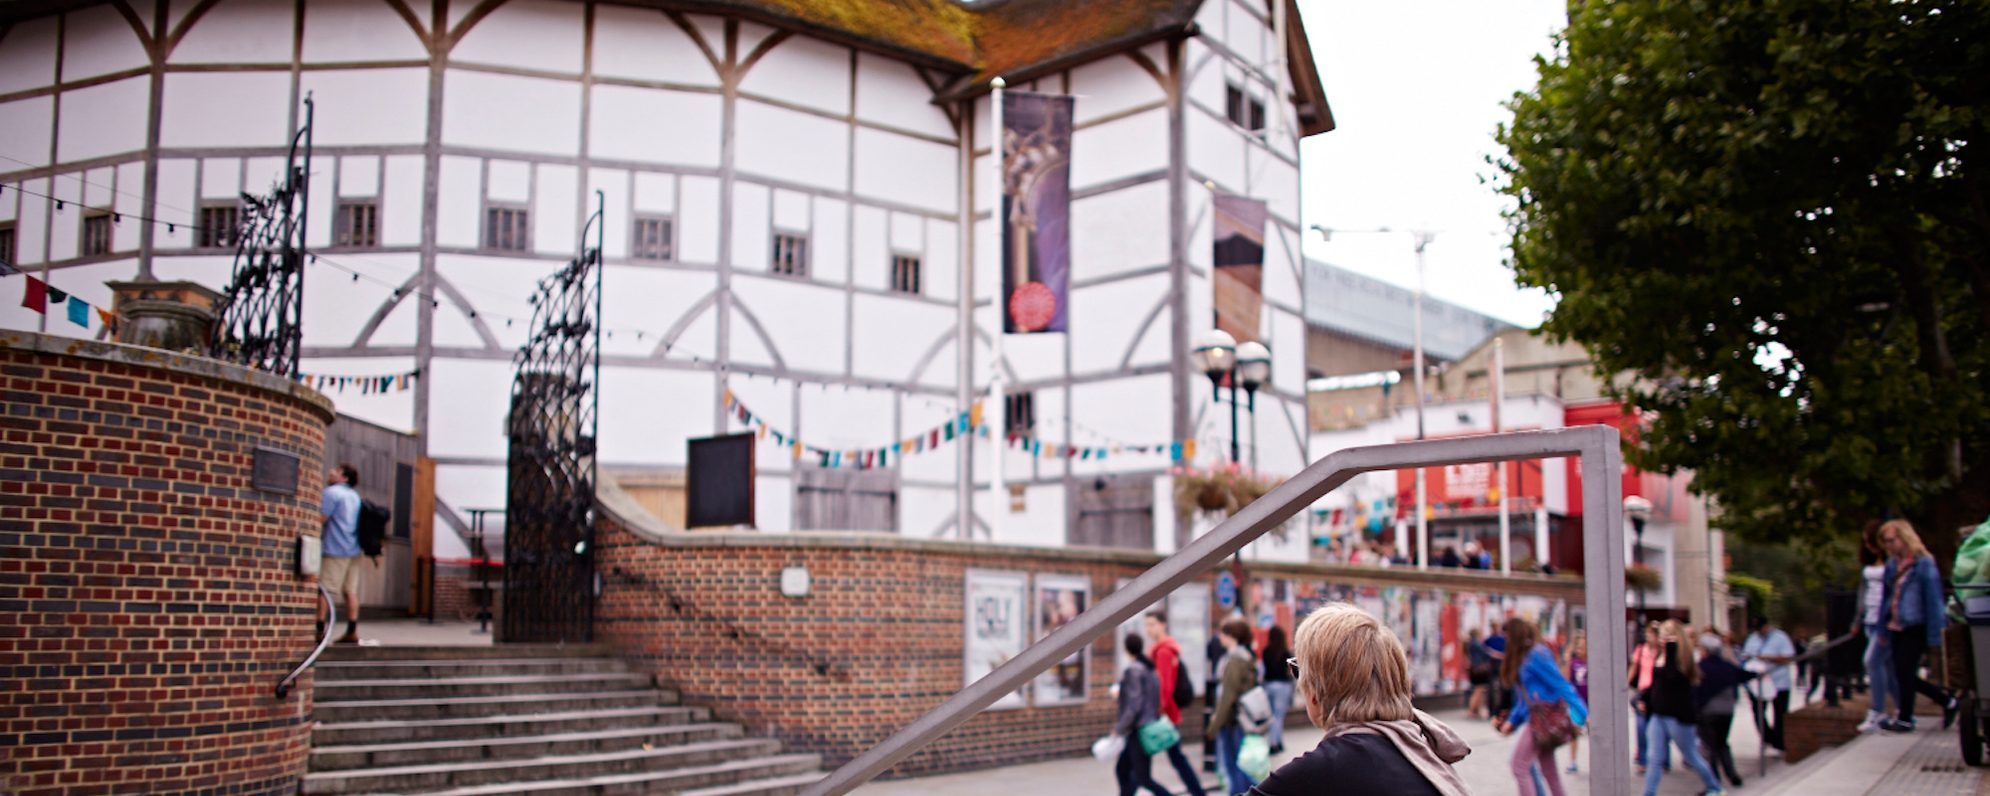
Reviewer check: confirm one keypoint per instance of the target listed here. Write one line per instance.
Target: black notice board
(719, 486)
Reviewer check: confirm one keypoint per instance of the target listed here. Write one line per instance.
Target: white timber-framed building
(794, 192)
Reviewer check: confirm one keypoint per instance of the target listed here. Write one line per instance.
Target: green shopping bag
(1157, 735)
(1254, 757)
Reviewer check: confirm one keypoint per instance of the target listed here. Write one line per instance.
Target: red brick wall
(147, 605)
(876, 644)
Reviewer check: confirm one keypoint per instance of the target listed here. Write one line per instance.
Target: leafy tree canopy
(1776, 214)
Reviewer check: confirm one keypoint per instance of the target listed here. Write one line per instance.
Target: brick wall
(147, 605)
(878, 640)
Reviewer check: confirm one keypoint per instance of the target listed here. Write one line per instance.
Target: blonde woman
(1672, 713)
(1354, 681)
(1912, 610)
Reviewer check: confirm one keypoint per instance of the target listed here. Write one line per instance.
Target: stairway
(525, 718)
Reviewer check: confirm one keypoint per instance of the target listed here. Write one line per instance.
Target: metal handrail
(331, 626)
(1602, 473)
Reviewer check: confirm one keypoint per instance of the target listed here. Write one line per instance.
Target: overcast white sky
(1416, 88)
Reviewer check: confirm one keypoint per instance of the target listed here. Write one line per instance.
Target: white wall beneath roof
(890, 92)
(225, 109)
(368, 106)
(509, 112)
(655, 126)
(527, 34)
(803, 71)
(240, 32)
(96, 41)
(792, 146)
(643, 44)
(28, 59)
(358, 30)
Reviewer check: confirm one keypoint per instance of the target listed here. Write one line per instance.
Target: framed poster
(1059, 601)
(995, 618)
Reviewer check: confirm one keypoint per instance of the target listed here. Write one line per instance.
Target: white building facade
(797, 214)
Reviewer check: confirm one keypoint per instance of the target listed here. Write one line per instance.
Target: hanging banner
(1036, 212)
(1239, 282)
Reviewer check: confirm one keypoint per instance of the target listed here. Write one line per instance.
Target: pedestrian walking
(1576, 667)
(1240, 674)
(1173, 677)
(1642, 659)
(1139, 706)
(1672, 711)
(1479, 670)
(340, 571)
(1769, 649)
(1872, 602)
(1354, 680)
(1716, 699)
(1914, 621)
(1277, 685)
(1547, 707)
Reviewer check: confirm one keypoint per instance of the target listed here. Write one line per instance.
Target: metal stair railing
(1603, 563)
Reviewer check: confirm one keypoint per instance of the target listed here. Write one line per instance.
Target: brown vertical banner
(1036, 212)
(1239, 278)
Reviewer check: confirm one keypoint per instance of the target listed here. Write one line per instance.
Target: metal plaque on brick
(274, 471)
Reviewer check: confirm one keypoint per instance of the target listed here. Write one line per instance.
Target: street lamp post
(1638, 510)
(1246, 367)
(1253, 371)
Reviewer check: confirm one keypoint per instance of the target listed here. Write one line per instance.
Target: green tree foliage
(1776, 214)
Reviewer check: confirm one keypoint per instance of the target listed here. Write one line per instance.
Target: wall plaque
(274, 471)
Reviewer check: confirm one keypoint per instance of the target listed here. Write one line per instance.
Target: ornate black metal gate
(549, 581)
(260, 323)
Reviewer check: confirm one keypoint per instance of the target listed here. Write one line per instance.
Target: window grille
(905, 273)
(218, 227)
(96, 234)
(790, 255)
(653, 240)
(359, 223)
(507, 229)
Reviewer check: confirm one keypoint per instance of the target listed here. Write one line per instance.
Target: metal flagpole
(1498, 399)
(998, 403)
(1422, 525)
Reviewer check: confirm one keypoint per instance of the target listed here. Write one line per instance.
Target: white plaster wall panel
(614, 187)
(554, 30)
(1208, 79)
(368, 106)
(1111, 85)
(908, 233)
(1106, 317)
(398, 327)
(458, 188)
(1281, 277)
(359, 176)
(130, 200)
(1281, 451)
(803, 71)
(220, 178)
(922, 414)
(871, 246)
(1120, 148)
(907, 170)
(394, 409)
(773, 501)
(555, 229)
(713, 31)
(804, 320)
(750, 36)
(211, 271)
(643, 44)
(224, 109)
(940, 371)
(470, 428)
(791, 209)
(1215, 151)
(450, 325)
(984, 187)
(793, 146)
(922, 510)
(634, 431)
(496, 287)
(836, 418)
(68, 226)
(656, 126)
(96, 41)
(1041, 524)
(27, 56)
(698, 222)
(259, 175)
(751, 227)
(525, 114)
(359, 30)
(239, 32)
(508, 181)
(1288, 350)
(1274, 181)
(830, 259)
(655, 193)
(465, 485)
(1118, 231)
(940, 276)
(889, 92)
(401, 202)
(890, 335)
(1129, 411)
(340, 307)
(1244, 33)
(26, 125)
(96, 185)
(649, 300)
(1212, 17)
(1036, 357)
(1201, 229)
(177, 194)
(747, 346)
(318, 218)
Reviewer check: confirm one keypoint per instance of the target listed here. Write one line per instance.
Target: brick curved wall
(147, 601)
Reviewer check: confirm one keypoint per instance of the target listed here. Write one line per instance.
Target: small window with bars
(652, 238)
(219, 224)
(905, 273)
(96, 233)
(7, 244)
(1243, 109)
(1019, 412)
(790, 254)
(359, 223)
(507, 229)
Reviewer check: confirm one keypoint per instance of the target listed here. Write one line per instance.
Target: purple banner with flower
(1036, 212)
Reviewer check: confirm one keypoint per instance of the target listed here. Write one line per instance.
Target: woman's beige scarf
(1429, 745)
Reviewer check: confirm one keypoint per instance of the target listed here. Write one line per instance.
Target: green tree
(1774, 214)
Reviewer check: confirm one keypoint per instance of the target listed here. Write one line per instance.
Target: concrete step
(337, 691)
(775, 786)
(769, 768)
(360, 652)
(344, 671)
(501, 726)
(512, 775)
(475, 706)
(618, 739)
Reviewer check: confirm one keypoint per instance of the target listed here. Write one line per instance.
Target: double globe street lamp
(1246, 366)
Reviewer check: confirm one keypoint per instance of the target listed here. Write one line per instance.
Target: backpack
(373, 519)
(1254, 711)
(1184, 693)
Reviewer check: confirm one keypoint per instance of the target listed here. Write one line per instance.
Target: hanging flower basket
(1642, 578)
(1219, 493)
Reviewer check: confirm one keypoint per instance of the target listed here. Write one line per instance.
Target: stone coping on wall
(622, 508)
(169, 361)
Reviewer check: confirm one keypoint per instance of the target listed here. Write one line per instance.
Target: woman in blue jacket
(1912, 610)
(1530, 670)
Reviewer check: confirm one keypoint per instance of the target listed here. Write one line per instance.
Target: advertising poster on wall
(1239, 282)
(996, 616)
(1036, 202)
(1188, 622)
(1059, 601)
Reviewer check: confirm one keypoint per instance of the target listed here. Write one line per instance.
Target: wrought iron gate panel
(260, 322)
(549, 580)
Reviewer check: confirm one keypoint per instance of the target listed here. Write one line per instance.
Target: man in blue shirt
(340, 572)
(1769, 649)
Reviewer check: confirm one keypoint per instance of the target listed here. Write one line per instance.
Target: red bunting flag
(37, 296)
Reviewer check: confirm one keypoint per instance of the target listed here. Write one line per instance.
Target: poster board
(995, 618)
(1058, 601)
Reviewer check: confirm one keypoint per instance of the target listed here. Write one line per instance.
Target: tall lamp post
(1245, 367)
(1638, 510)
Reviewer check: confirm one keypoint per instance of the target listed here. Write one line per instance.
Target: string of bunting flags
(41, 296)
(961, 425)
(367, 385)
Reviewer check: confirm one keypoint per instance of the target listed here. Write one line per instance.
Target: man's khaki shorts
(341, 574)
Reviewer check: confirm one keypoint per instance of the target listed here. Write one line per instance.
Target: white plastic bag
(1107, 749)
